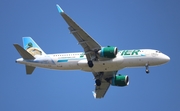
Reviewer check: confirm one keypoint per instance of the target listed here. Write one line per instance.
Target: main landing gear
(98, 78)
(90, 64)
(98, 82)
(147, 68)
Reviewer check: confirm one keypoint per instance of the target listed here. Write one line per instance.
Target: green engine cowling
(108, 52)
(120, 80)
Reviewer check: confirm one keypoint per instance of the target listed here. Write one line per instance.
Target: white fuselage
(78, 61)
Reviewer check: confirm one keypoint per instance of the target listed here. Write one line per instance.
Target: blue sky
(127, 24)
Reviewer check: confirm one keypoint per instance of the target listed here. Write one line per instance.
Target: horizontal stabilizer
(23, 53)
(29, 69)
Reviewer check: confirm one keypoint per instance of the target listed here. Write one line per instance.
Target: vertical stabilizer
(31, 46)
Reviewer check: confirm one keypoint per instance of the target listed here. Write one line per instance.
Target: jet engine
(120, 80)
(108, 52)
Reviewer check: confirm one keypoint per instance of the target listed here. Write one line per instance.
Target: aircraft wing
(90, 47)
(101, 90)
(89, 44)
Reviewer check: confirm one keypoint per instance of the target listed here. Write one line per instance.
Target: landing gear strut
(147, 68)
(90, 64)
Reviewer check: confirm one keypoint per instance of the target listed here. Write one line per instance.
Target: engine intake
(108, 52)
(120, 80)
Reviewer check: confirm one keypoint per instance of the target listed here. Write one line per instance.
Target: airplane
(103, 62)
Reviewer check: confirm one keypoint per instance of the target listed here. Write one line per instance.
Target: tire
(98, 82)
(90, 64)
(147, 71)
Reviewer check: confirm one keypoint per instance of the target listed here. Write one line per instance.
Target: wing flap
(88, 43)
(82, 37)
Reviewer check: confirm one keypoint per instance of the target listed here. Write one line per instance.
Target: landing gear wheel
(147, 71)
(98, 82)
(90, 64)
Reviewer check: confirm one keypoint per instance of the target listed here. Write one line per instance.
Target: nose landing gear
(147, 68)
(147, 71)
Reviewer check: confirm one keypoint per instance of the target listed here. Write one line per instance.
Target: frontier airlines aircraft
(103, 62)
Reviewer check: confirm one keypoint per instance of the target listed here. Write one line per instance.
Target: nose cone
(166, 58)
(161, 59)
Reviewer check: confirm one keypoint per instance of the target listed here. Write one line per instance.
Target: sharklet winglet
(59, 9)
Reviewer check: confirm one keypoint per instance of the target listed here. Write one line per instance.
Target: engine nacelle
(120, 80)
(108, 52)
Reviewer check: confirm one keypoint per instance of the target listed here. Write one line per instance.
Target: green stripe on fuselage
(62, 61)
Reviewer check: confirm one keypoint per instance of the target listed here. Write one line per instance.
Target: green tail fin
(31, 46)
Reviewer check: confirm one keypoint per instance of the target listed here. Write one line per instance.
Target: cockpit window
(158, 51)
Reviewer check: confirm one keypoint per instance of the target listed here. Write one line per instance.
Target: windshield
(158, 51)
